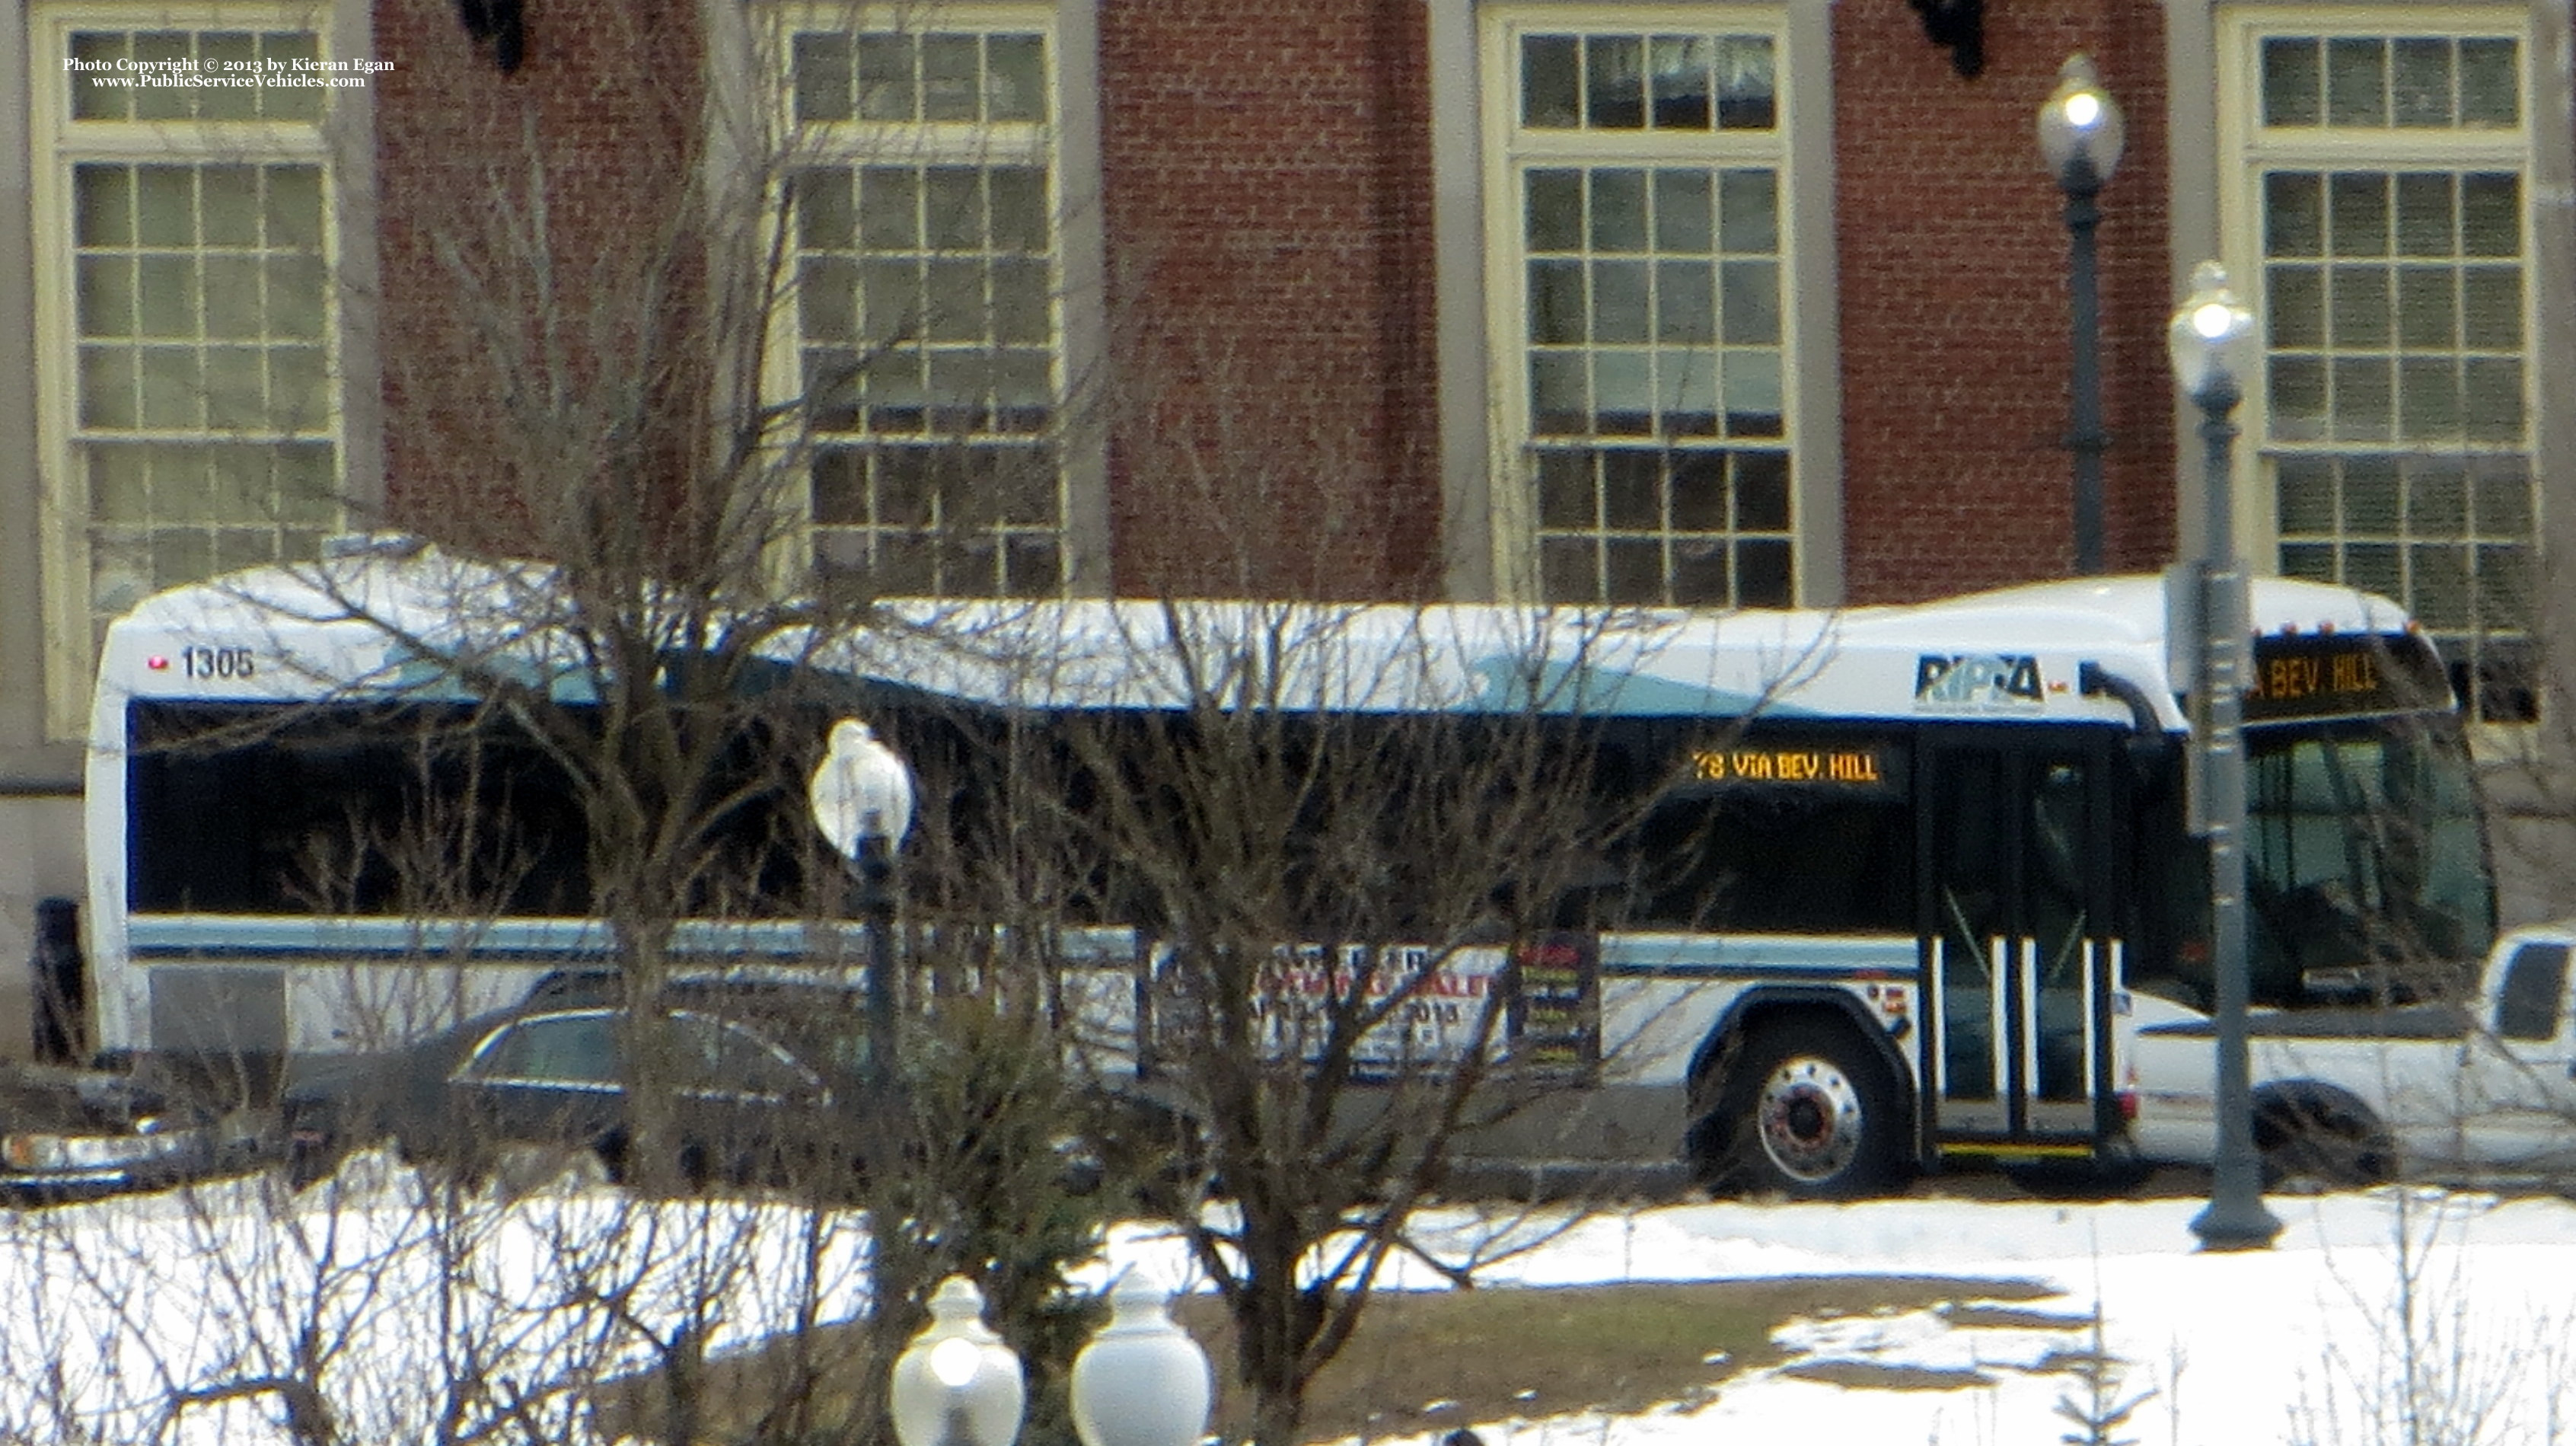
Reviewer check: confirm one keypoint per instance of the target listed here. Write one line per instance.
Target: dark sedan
(758, 1081)
(736, 1104)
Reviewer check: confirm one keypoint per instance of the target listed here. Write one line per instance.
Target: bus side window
(1768, 860)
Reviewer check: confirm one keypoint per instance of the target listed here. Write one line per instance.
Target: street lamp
(2212, 343)
(956, 1384)
(2080, 135)
(861, 797)
(1141, 1381)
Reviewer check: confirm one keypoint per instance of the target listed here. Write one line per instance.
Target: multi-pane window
(187, 338)
(1640, 277)
(925, 308)
(2390, 175)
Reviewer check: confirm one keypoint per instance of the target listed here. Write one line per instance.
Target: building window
(2387, 177)
(1638, 259)
(927, 329)
(186, 320)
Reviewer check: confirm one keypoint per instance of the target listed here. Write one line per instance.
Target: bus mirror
(2095, 681)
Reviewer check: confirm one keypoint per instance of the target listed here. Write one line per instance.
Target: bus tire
(1807, 1112)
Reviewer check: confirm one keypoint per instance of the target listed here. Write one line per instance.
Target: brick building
(1717, 303)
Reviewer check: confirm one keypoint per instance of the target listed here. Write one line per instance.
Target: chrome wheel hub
(1809, 1118)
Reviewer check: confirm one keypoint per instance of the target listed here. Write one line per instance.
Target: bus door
(2017, 919)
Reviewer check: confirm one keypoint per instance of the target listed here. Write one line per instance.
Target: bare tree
(605, 474)
(1343, 913)
(1328, 859)
(1341, 897)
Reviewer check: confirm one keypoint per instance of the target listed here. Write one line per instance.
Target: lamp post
(861, 797)
(2211, 340)
(2080, 136)
(956, 1384)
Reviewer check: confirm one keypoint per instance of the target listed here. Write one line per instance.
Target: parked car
(764, 1081)
(739, 1106)
(75, 1134)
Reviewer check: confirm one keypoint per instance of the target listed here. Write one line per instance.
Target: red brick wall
(605, 107)
(1955, 328)
(1266, 183)
(1267, 179)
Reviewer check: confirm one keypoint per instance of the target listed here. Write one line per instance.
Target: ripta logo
(1978, 681)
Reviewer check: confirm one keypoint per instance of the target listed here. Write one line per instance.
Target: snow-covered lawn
(2309, 1342)
(2425, 1318)
(383, 1310)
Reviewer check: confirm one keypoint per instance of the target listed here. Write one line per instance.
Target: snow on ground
(190, 1316)
(2304, 1343)
(128, 1308)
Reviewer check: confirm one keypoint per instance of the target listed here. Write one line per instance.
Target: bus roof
(388, 625)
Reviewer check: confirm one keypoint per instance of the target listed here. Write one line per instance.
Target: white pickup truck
(2484, 1090)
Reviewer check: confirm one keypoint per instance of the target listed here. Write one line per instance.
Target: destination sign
(1858, 764)
(2319, 675)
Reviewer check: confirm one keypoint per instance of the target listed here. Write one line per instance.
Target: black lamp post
(874, 901)
(2080, 136)
(861, 797)
(2211, 339)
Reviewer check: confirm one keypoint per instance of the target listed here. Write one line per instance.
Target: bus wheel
(1807, 1113)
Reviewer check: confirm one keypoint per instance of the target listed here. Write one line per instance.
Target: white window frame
(56, 145)
(1796, 149)
(1044, 143)
(2246, 148)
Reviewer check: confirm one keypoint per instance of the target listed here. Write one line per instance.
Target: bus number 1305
(217, 662)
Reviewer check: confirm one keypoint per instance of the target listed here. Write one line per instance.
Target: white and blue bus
(1918, 868)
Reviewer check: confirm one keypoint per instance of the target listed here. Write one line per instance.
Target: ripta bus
(1925, 868)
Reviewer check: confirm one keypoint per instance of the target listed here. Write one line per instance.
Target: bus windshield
(2366, 866)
